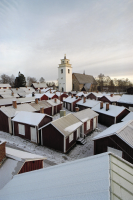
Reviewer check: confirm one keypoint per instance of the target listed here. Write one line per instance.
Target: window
(68, 71)
(70, 137)
(61, 71)
(21, 129)
(88, 124)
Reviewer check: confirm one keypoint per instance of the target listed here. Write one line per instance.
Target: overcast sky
(96, 35)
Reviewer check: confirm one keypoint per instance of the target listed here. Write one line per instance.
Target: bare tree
(31, 80)
(42, 80)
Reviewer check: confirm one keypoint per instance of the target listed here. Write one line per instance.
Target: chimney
(76, 97)
(72, 95)
(36, 101)
(16, 88)
(2, 151)
(12, 93)
(26, 86)
(55, 100)
(84, 99)
(107, 106)
(101, 105)
(76, 109)
(42, 110)
(50, 91)
(29, 89)
(111, 95)
(62, 113)
(40, 91)
(14, 104)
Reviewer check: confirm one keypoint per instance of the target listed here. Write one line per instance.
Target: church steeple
(64, 56)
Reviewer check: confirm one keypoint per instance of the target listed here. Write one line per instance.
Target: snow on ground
(79, 151)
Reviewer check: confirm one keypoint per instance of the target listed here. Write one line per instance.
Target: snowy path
(79, 151)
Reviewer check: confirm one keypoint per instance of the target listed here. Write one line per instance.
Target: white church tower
(65, 75)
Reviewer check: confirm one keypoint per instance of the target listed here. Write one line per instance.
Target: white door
(33, 134)
(78, 132)
(68, 106)
(94, 123)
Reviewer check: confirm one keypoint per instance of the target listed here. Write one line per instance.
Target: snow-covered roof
(97, 94)
(5, 96)
(28, 89)
(11, 112)
(9, 168)
(87, 178)
(49, 95)
(79, 94)
(40, 104)
(26, 99)
(125, 98)
(5, 85)
(113, 98)
(5, 91)
(9, 101)
(124, 130)
(67, 124)
(131, 109)
(45, 90)
(128, 117)
(2, 141)
(113, 111)
(53, 103)
(36, 95)
(70, 99)
(59, 94)
(89, 103)
(29, 117)
(22, 155)
(39, 85)
(52, 91)
(85, 114)
(19, 91)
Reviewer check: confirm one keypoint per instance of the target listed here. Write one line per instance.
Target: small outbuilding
(126, 100)
(26, 125)
(89, 118)
(62, 133)
(111, 99)
(110, 114)
(70, 102)
(86, 103)
(118, 136)
(56, 105)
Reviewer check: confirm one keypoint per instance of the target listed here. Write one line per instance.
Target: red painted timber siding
(62, 96)
(48, 111)
(27, 131)
(52, 138)
(105, 119)
(104, 99)
(69, 145)
(59, 107)
(44, 121)
(122, 115)
(100, 146)
(82, 107)
(91, 96)
(44, 97)
(86, 132)
(55, 97)
(4, 122)
(31, 165)
(74, 104)
(2, 151)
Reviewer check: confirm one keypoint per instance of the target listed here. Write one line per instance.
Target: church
(69, 81)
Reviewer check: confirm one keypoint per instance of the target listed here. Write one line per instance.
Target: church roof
(83, 78)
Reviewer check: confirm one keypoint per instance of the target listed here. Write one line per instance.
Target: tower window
(61, 71)
(68, 71)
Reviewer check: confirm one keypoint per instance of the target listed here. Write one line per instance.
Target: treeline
(105, 83)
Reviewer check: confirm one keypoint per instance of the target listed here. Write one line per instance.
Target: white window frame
(71, 137)
(88, 125)
(21, 129)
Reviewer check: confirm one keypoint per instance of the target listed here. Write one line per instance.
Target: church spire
(64, 56)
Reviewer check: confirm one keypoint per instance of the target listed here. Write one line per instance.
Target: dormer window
(61, 71)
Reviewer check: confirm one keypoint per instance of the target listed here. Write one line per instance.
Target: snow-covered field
(79, 151)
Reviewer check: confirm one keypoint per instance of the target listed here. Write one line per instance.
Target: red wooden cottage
(89, 118)
(118, 136)
(56, 105)
(26, 125)
(94, 95)
(7, 113)
(61, 96)
(70, 102)
(111, 99)
(38, 86)
(62, 133)
(110, 114)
